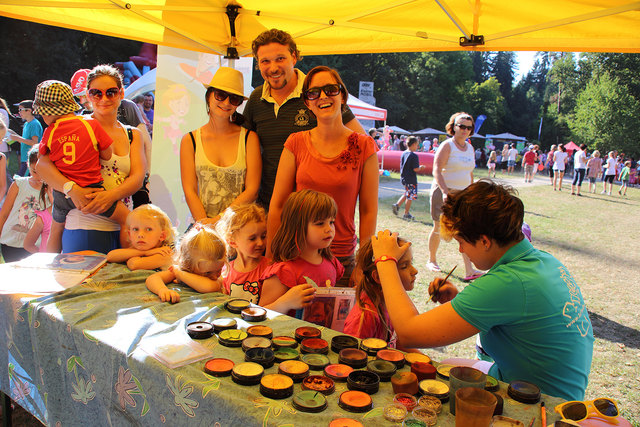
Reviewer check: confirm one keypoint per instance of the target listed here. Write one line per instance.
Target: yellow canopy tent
(355, 26)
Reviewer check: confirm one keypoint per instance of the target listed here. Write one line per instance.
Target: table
(74, 357)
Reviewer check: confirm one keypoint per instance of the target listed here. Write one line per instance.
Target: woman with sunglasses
(122, 175)
(452, 170)
(333, 159)
(220, 163)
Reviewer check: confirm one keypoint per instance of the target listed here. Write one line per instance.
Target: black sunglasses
(97, 93)
(221, 95)
(464, 127)
(329, 90)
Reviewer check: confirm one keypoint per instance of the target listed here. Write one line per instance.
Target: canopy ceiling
(355, 26)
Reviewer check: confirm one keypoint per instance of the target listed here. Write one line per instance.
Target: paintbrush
(434, 296)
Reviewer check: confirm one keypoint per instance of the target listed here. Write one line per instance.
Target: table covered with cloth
(75, 357)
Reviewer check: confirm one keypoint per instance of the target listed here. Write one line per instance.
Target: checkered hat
(54, 98)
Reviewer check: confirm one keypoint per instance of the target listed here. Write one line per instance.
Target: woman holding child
(332, 159)
(527, 308)
(122, 174)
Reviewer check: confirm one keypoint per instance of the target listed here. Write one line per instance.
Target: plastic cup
(463, 376)
(474, 407)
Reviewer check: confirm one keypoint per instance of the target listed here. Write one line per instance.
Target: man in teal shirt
(31, 133)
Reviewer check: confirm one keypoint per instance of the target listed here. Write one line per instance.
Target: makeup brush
(435, 292)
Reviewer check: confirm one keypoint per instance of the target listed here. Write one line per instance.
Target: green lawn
(596, 237)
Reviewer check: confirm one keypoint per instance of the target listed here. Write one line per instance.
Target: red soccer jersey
(529, 158)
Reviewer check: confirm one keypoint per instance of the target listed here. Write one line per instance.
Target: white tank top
(457, 171)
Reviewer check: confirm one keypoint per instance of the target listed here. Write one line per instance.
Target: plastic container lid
(200, 330)
(524, 392)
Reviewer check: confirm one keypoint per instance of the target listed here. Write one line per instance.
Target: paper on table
(37, 281)
(174, 349)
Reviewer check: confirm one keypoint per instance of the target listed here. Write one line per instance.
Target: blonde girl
(370, 318)
(41, 227)
(301, 254)
(244, 229)
(200, 258)
(594, 167)
(491, 163)
(151, 237)
(624, 178)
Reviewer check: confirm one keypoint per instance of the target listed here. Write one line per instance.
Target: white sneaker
(433, 266)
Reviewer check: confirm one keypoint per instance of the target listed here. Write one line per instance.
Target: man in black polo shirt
(276, 109)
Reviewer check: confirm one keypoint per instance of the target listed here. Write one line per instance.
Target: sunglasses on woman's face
(98, 94)
(329, 90)
(221, 95)
(578, 411)
(464, 127)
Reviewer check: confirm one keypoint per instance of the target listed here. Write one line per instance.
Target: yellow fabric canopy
(352, 26)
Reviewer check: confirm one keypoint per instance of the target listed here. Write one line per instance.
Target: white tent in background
(364, 111)
(144, 84)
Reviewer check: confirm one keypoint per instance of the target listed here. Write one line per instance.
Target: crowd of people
(273, 194)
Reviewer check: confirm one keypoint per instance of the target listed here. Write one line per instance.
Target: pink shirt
(246, 285)
(45, 215)
(340, 177)
(366, 323)
(299, 271)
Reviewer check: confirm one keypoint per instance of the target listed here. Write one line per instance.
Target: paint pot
(366, 381)
(443, 370)
(305, 332)
(338, 372)
(424, 371)
(492, 384)
(219, 367)
(353, 357)
(255, 342)
(413, 422)
(372, 345)
(416, 357)
(263, 356)
(309, 401)
(405, 382)
(499, 404)
(319, 383)
(434, 388)
(276, 386)
(316, 362)
(382, 368)
(524, 392)
(340, 342)
(232, 337)
(355, 401)
(500, 421)
(431, 402)
(409, 401)
(283, 342)
(314, 345)
(391, 355)
(200, 330)
(345, 422)
(395, 412)
(224, 323)
(254, 314)
(247, 373)
(295, 369)
(260, 331)
(286, 353)
(426, 415)
(237, 305)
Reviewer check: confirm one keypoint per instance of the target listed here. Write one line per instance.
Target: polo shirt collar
(522, 248)
(297, 91)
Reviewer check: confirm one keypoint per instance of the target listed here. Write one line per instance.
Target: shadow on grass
(609, 330)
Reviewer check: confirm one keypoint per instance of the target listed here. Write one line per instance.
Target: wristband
(385, 258)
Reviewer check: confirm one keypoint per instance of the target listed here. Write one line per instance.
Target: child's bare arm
(280, 298)
(32, 236)
(122, 255)
(199, 283)
(105, 154)
(156, 283)
(149, 262)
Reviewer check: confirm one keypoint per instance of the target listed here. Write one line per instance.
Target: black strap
(246, 136)
(193, 141)
(130, 133)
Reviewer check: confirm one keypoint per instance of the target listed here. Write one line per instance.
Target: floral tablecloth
(74, 358)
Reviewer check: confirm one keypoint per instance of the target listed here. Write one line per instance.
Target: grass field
(596, 237)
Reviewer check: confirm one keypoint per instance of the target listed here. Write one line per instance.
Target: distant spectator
(148, 106)
(139, 101)
(528, 161)
(609, 173)
(409, 165)
(559, 164)
(511, 160)
(594, 167)
(505, 157)
(550, 156)
(624, 178)
(31, 133)
(580, 168)
(4, 135)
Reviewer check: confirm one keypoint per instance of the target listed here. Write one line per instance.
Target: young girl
(151, 237)
(624, 178)
(594, 167)
(491, 163)
(369, 317)
(301, 254)
(42, 225)
(200, 258)
(244, 229)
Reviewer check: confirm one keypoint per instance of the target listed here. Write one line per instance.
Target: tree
(485, 98)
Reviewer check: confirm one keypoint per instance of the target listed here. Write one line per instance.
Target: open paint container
(316, 362)
(434, 388)
(524, 392)
(219, 367)
(254, 314)
(382, 368)
(285, 353)
(314, 345)
(247, 373)
(345, 422)
(309, 401)
(223, 324)
(424, 371)
(200, 330)
(407, 400)
(338, 372)
(340, 342)
(416, 357)
(276, 386)
(366, 381)
(395, 412)
(426, 415)
(305, 332)
(372, 345)
(232, 337)
(353, 357)
(295, 369)
(260, 331)
(355, 401)
(324, 385)
(262, 356)
(492, 384)
(405, 382)
(431, 402)
(237, 305)
(283, 341)
(443, 370)
(255, 342)
(391, 355)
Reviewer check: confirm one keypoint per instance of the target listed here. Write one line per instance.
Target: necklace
(463, 147)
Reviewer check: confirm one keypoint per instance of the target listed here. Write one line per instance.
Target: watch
(67, 187)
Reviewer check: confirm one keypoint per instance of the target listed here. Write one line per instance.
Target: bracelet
(385, 258)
